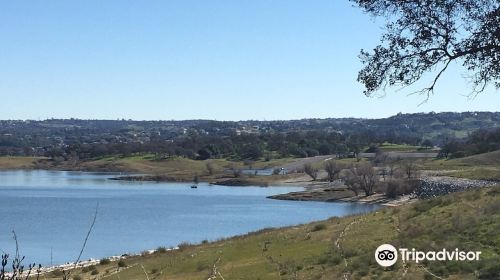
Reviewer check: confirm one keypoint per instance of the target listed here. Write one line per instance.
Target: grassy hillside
(18, 162)
(390, 147)
(482, 166)
(176, 168)
(491, 158)
(338, 246)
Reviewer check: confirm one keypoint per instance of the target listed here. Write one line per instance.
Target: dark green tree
(426, 36)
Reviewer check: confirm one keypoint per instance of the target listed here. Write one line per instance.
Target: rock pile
(437, 186)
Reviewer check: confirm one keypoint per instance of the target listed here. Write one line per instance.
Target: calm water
(52, 211)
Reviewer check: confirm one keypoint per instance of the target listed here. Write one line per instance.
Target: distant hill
(202, 139)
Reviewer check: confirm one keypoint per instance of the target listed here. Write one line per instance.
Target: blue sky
(224, 60)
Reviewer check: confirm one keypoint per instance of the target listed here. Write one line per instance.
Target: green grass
(482, 166)
(174, 167)
(481, 173)
(390, 147)
(491, 158)
(7, 162)
(468, 220)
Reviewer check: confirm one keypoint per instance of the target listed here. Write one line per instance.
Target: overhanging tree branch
(422, 34)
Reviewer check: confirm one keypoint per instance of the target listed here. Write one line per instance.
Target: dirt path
(338, 244)
(298, 164)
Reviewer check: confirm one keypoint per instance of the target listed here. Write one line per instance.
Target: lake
(51, 212)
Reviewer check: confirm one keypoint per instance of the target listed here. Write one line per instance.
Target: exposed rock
(437, 186)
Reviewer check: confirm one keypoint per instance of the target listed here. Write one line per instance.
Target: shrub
(349, 253)
(57, 273)
(318, 227)
(426, 205)
(154, 270)
(490, 270)
(330, 258)
(323, 260)
(104, 261)
(88, 268)
(362, 270)
(200, 266)
(392, 189)
(161, 249)
(335, 259)
(494, 191)
(184, 245)
(204, 241)
(77, 277)
(122, 263)
(428, 277)
(94, 272)
(268, 157)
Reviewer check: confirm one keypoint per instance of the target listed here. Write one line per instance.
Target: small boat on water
(195, 182)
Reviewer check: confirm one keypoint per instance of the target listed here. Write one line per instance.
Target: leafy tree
(203, 154)
(252, 151)
(426, 35)
(427, 143)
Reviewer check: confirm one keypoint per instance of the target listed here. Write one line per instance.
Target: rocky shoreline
(93, 262)
(430, 186)
(325, 194)
(149, 178)
(341, 195)
(441, 185)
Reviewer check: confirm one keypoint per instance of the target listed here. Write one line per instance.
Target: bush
(200, 266)
(122, 263)
(332, 258)
(428, 277)
(161, 250)
(237, 172)
(318, 227)
(104, 261)
(77, 277)
(154, 270)
(335, 259)
(426, 205)
(311, 152)
(88, 268)
(184, 245)
(57, 273)
(392, 189)
(494, 191)
(362, 270)
(395, 188)
(323, 260)
(94, 272)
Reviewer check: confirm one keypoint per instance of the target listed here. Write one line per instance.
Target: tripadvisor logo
(387, 255)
